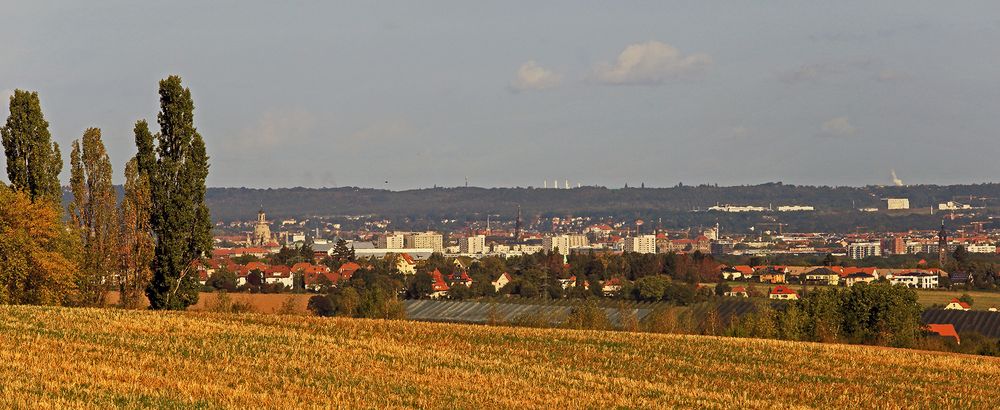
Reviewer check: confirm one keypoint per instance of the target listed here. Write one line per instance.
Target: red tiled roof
(946, 329)
(782, 290)
(439, 285)
(962, 304)
(252, 266)
(408, 258)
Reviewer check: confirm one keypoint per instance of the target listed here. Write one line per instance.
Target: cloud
(738, 132)
(889, 75)
(839, 127)
(532, 76)
(651, 63)
(275, 127)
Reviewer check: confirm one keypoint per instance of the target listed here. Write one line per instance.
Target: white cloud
(838, 127)
(652, 62)
(532, 76)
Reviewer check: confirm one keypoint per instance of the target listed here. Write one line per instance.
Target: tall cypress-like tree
(93, 213)
(137, 244)
(176, 164)
(33, 160)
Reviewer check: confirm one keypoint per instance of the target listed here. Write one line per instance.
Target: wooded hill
(836, 207)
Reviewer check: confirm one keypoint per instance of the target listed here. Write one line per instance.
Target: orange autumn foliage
(37, 253)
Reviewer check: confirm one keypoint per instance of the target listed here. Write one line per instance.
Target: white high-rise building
(563, 243)
(429, 240)
(472, 244)
(861, 250)
(390, 241)
(641, 244)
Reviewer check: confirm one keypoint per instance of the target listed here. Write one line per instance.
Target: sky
(404, 95)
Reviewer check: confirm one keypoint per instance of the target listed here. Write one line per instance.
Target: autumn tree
(93, 214)
(37, 255)
(137, 244)
(176, 164)
(33, 160)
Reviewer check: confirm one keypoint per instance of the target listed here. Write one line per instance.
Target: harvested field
(99, 358)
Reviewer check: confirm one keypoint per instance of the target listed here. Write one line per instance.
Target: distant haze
(408, 94)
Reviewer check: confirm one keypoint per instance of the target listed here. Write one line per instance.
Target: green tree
(222, 279)
(93, 212)
(176, 164)
(651, 288)
(341, 253)
(33, 160)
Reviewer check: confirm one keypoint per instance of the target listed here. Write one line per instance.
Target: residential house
(956, 304)
(611, 286)
(944, 330)
(347, 270)
(822, 276)
(771, 275)
(439, 288)
(738, 291)
(246, 270)
(279, 274)
(850, 270)
(405, 264)
(737, 272)
(502, 281)
(460, 279)
(919, 280)
(858, 277)
(783, 293)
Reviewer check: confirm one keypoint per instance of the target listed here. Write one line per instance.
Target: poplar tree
(93, 213)
(176, 164)
(137, 244)
(33, 160)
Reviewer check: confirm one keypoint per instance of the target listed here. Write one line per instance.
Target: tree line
(140, 246)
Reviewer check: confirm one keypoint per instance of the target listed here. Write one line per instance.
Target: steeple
(517, 224)
(942, 245)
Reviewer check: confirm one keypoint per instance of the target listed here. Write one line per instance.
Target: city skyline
(404, 96)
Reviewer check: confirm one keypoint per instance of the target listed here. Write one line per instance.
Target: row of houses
(833, 275)
(313, 275)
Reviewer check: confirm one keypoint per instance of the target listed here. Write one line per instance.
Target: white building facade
(641, 244)
(861, 250)
(472, 244)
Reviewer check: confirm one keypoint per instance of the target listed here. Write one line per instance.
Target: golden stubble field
(100, 358)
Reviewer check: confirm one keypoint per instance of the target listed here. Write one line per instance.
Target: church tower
(261, 231)
(942, 245)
